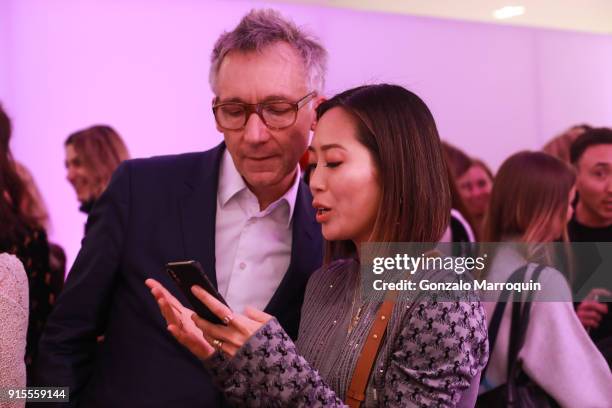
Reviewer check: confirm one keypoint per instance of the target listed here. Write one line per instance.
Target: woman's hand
(237, 329)
(180, 324)
(200, 336)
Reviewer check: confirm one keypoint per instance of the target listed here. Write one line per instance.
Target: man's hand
(180, 323)
(590, 311)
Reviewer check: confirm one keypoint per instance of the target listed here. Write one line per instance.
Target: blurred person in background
(531, 204)
(459, 231)
(14, 325)
(475, 184)
(92, 155)
(559, 146)
(33, 205)
(591, 155)
(23, 235)
(461, 228)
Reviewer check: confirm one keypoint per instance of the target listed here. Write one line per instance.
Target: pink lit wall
(141, 66)
(4, 51)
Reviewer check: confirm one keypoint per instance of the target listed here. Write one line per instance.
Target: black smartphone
(189, 273)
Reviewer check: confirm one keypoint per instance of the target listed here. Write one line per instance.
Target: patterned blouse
(33, 252)
(428, 358)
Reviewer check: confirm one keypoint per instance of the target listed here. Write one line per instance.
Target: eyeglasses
(276, 115)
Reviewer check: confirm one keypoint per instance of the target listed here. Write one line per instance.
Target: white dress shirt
(252, 247)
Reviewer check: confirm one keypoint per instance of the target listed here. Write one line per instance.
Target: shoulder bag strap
(499, 313)
(359, 382)
(365, 363)
(518, 332)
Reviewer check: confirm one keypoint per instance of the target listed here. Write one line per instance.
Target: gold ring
(227, 319)
(217, 344)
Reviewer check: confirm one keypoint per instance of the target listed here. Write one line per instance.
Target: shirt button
(242, 265)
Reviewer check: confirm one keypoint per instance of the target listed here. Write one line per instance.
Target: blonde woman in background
(92, 155)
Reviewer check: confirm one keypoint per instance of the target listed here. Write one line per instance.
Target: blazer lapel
(198, 211)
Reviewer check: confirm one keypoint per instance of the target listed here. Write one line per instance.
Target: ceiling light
(508, 12)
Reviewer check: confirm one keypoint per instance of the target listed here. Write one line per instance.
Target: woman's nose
(317, 182)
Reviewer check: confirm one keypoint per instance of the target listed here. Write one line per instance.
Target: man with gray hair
(240, 210)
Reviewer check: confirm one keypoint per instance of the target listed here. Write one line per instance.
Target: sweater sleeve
(440, 349)
(559, 355)
(268, 372)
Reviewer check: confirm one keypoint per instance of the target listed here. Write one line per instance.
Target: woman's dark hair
(14, 223)
(400, 133)
(458, 161)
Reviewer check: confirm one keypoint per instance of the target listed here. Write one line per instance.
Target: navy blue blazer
(154, 211)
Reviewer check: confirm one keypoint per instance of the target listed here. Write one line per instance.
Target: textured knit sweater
(431, 352)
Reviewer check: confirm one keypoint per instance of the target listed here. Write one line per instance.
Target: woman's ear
(317, 101)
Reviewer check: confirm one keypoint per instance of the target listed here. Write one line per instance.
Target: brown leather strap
(365, 363)
(356, 392)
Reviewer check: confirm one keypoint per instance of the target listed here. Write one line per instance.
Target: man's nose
(255, 130)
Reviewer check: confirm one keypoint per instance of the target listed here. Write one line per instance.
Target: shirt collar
(231, 184)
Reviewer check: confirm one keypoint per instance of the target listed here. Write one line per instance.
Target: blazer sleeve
(432, 363)
(68, 344)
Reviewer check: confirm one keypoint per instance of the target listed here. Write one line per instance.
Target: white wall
(141, 66)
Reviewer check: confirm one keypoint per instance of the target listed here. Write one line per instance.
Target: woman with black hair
(23, 235)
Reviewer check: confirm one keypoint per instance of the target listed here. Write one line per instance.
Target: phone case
(187, 274)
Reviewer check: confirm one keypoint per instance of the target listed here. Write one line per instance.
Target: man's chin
(262, 179)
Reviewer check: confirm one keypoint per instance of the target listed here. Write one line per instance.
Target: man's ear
(317, 101)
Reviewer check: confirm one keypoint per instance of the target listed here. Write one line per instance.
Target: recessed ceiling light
(508, 12)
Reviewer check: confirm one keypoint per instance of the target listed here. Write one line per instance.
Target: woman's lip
(322, 216)
(316, 204)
